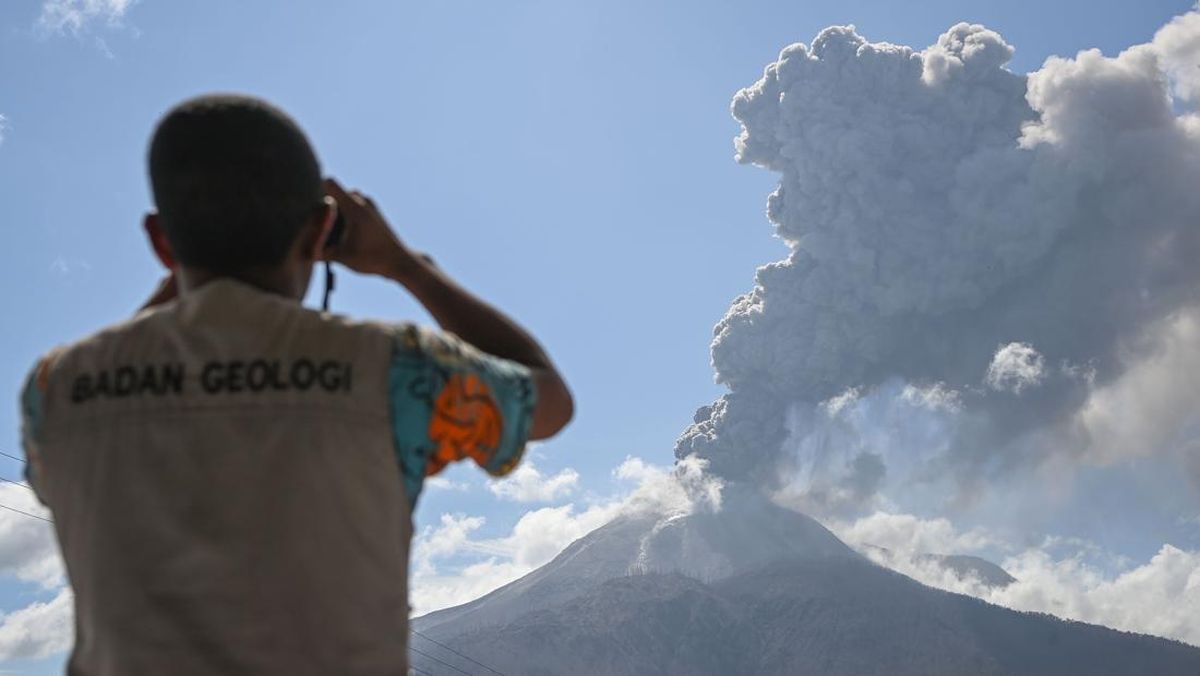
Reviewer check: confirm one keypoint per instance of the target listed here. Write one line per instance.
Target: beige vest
(226, 493)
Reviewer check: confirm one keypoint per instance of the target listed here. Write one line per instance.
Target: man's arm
(371, 247)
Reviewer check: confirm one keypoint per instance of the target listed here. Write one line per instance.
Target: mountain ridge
(808, 604)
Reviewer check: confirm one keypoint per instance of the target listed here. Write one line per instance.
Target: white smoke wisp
(937, 206)
(73, 16)
(1015, 367)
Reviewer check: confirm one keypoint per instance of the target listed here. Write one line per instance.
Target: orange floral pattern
(466, 422)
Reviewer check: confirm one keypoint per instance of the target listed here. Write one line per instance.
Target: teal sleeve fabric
(449, 402)
(31, 422)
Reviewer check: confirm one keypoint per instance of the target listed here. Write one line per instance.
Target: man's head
(239, 193)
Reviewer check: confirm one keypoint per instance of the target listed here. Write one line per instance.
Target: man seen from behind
(231, 475)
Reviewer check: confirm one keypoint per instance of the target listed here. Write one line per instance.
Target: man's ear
(316, 233)
(158, 241)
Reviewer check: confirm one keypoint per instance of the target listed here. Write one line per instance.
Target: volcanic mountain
(756, 589)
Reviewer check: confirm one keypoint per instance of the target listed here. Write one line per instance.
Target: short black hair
(234, 180)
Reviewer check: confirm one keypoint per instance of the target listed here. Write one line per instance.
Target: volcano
(756, 589)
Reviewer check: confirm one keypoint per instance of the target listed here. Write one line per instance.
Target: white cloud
(65, 268)
(74, 16)
(432, 587)
(909, 534)
(441, 483)
(29, 553)
(528, 484)
(38, 630)
(451, 566)
(1015, 367)
(447, 539)
(833, 406)
(1061, 576)
(436, 590)
(935, 397)
(438, 581)
(541, 534)
(1160, 597)
(28, 550)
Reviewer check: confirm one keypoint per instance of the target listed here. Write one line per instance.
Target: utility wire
(7, 455)
(425, 654)
(469, 659)
(16, 483)
(419, 672)
(22, 485)
(32, 516)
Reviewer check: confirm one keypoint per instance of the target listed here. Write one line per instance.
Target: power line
(10, 481)
(419, 672)
(473, 661)
(22, 485)
(16, 483)
(32, 516)
(425, 654)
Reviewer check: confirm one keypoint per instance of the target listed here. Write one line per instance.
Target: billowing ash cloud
(989, 249)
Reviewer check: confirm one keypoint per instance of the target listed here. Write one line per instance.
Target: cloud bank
(29, 553)
(528, 484)
(452, 565)
(40, 629)
(1069, 578)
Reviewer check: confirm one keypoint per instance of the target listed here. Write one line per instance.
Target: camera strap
(329, 284)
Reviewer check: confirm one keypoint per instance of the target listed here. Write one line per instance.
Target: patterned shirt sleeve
(450, 401)
(31, 424)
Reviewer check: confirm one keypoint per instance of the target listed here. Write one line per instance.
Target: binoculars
(337, 232)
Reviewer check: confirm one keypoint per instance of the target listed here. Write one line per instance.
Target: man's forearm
(372, 247)
(463, 313)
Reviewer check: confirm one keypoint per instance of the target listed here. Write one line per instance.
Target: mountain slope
(789, 599)
(708, 546)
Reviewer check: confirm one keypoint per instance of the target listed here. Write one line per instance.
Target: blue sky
(571, 162)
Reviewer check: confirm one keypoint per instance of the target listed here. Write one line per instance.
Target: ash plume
(975, 254)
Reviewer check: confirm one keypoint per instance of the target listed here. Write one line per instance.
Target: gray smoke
(989, 248)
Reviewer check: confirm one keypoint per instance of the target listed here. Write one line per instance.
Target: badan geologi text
(215, 377)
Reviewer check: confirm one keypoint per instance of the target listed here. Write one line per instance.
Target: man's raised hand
(369, 245)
